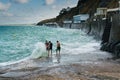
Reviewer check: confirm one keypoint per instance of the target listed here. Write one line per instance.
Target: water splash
(39, 51)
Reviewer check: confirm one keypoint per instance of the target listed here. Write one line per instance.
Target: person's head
(57, 41)
(46, 41)
(49, 41)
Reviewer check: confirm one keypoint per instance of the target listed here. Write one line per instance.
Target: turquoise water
(19, 42)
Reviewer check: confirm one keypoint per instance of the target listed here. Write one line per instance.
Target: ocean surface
(18, 43)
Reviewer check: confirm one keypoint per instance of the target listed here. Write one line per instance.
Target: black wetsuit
(51, 46)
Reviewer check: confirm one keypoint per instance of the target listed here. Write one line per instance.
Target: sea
(25, 43)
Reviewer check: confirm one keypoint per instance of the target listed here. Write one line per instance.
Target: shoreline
(91, 68)
(106, 69)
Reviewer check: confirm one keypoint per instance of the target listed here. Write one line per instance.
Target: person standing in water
(58, 47)
(47, 47)
(50, 47)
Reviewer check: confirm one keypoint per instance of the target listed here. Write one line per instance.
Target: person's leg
(59, 52)
(48, 52)
(56, 51)
(51, 52)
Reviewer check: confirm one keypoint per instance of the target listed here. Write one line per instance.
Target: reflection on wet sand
(58, 56)
(50, 59)
(54, 59)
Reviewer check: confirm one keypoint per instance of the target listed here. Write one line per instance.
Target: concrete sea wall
(97, 28)
(107, 30)
(115, 29)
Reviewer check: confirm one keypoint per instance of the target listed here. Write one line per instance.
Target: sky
(31, 11)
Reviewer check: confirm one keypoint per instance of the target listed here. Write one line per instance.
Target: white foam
(75, 45)
(39, 51)
(13, 62)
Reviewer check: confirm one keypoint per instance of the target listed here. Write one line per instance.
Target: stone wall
(66, 25)
(97, 28)
(74, 25)
(107, 30)
(115, 29)
(111, 41)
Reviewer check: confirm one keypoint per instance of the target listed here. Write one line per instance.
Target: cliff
(83, 6)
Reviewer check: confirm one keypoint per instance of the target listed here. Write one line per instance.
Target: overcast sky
(31, 11)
